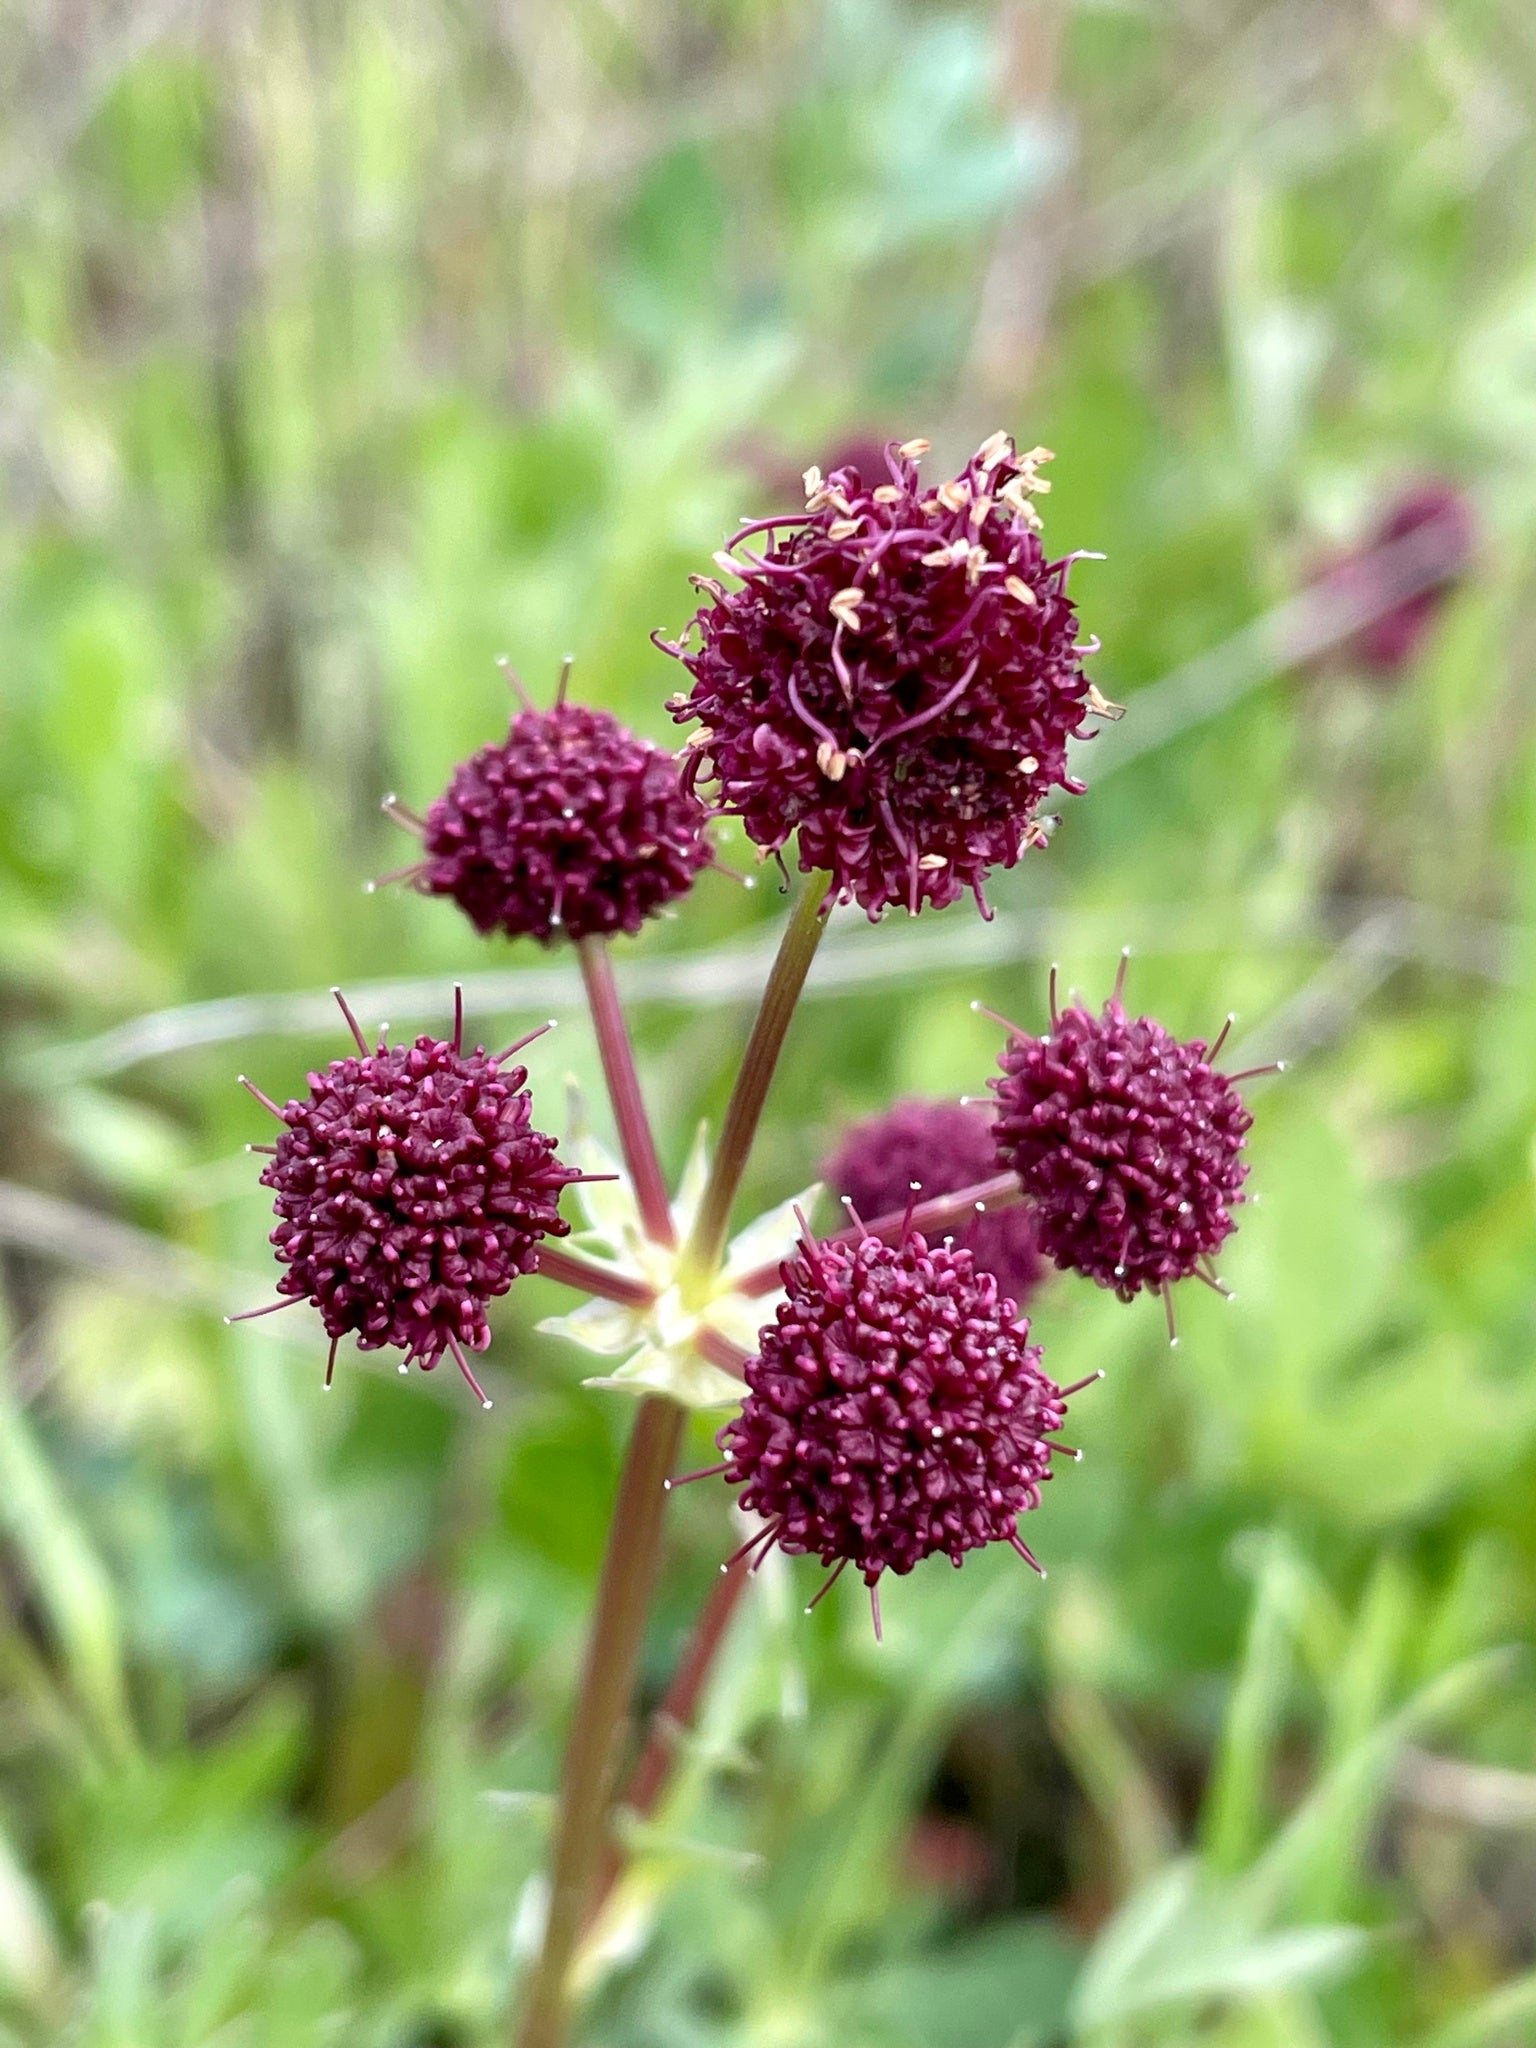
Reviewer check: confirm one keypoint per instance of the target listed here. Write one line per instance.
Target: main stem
(797, 949)
(673, 1720)
(602, 1708)
(636, 1141)
(634, 1534)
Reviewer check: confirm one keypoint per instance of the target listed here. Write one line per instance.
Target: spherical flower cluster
(897, 679)
(411, 1189)
(572, 824)
(1127, 1143)
(895, 1408)
(937, 1148)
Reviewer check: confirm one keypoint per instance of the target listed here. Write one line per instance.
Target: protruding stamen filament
(764, 1536)
(1026, 1553)
(265, 1100)
(808, 1243)
(1249, 1073)
(1173, 1331)
(402, 815)
(518, 1044)
(515, 682)
(687, 1478)
(330, 1363)
(249, 1315)
(1120, 972)
(1013, 1030)
(1077, 1386)
(463, 1364)
(826, 1585)
(1221, 1039)
(458, 1016)
(352, 1024)
(407, 874)
(1055, 1013)
(874, 1611)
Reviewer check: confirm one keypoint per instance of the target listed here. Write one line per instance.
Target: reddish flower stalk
(929, 1147)
(636, 1140)
(935, 1217)
(605, 1698)
(673, 1720)
(797, 949)
(570, 1269)
(603, 1705)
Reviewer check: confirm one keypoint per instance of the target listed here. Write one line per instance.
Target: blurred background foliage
(346, 347)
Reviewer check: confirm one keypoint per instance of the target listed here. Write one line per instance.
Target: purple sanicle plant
(893, 685)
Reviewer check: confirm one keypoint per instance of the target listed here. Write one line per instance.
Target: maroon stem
(571, 1270)
(674, 1718)
(603, 1706)
(940, 1212)
(792, 963)
(718, 1349)
(636, 1141)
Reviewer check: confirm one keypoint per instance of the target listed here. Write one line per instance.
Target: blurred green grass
(346, 348)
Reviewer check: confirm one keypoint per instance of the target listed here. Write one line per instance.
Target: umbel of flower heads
(886, 688)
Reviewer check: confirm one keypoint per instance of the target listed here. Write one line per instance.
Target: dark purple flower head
(895, 1408)
(1429, 529)
(897, 680)
(572, 824)
(411, 1190)
(1128, 1144)
(940, 1147)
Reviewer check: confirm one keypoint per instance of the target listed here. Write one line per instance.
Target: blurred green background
(348, 346)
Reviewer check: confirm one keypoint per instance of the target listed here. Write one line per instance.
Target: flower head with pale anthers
(411, 1189)
(895, 1409)
(896, 679)
(1127, 1142)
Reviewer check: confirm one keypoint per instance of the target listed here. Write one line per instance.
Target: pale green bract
(656, 1343)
